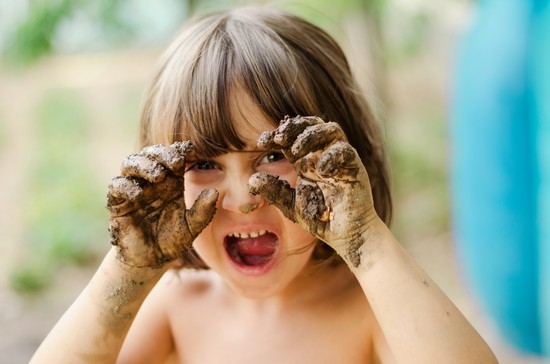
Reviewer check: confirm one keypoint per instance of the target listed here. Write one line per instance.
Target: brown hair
(287, 66)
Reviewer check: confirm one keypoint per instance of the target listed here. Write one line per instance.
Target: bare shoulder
(173, 303)
(187, 283)
(184, 290)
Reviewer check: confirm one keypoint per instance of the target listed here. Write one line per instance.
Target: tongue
(256, 246)
(256, 251)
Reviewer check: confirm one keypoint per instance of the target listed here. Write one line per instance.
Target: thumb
(202, 211)
(275, 191)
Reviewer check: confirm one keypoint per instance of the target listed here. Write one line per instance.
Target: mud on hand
(148, 220)
(332, 198)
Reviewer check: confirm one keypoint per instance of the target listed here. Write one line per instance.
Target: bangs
(206, 116)
(240, 59)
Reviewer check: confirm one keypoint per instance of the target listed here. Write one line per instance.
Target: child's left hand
(332, 198)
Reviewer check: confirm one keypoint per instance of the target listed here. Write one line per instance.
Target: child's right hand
(148, 220)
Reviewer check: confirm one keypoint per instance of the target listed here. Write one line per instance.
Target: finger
(167, 156)
(202, 211)
(136, 165)
(275, 191)
(339, 161)
(290, 128)
(316, 138)
(121, 188)
(265, 140)
(182, 226)
(188, 223)
(185, 148)
(286, 133)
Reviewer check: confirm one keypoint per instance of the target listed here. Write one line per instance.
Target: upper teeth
(253, 234)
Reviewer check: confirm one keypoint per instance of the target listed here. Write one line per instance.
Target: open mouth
(254, 249)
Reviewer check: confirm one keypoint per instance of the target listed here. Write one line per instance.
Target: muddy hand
(149, 222)
(332, 198)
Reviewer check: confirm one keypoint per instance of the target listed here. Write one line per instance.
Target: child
(287, 229)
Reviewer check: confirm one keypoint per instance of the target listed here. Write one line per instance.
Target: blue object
(541, 85)
(500, 136)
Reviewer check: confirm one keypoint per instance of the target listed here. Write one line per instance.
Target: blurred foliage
(420, 177)
(3, 134)
(411, 41)
(33, 277)
(34, 36)
(337, 9)
(63, 216)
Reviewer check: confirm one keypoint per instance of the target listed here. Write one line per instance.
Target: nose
(237, 198)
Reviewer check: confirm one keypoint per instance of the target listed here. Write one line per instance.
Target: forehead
(248, 118)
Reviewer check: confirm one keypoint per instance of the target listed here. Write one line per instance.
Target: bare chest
(292, 340)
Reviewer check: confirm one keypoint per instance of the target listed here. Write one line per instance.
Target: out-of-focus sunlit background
(72, 76)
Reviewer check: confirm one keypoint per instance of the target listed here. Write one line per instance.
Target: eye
(202, 165)
(272, 157)
(274, 162)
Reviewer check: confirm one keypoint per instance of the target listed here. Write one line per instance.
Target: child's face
(249, 243)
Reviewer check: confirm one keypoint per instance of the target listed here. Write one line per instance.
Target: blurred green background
(72, 75)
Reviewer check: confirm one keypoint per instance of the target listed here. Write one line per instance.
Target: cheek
(283, 169)
(205, 248)
(191, 193)
(201, 245)
(290, 177)
(203, 242)
(297, 236)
